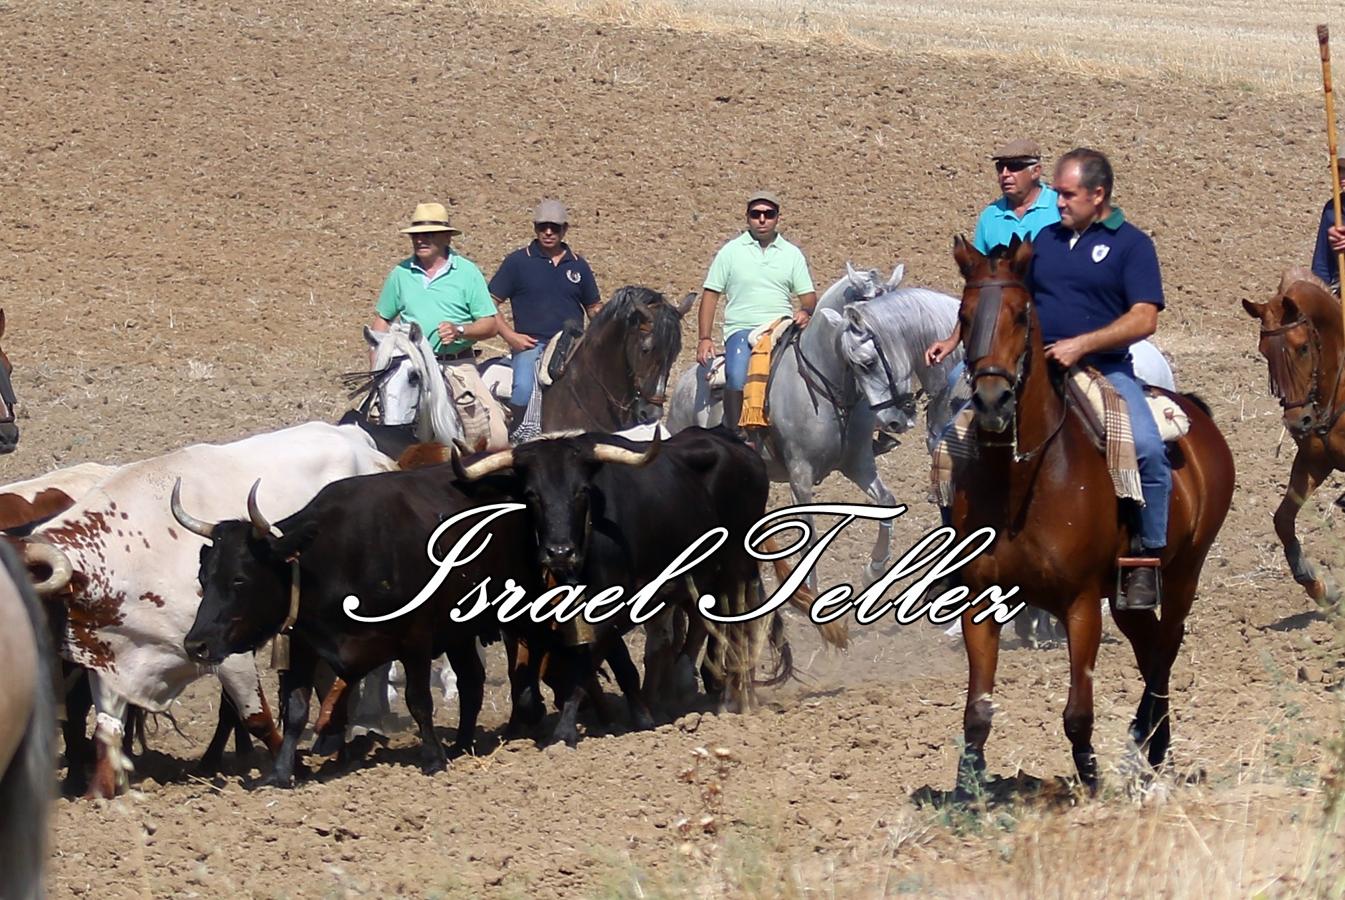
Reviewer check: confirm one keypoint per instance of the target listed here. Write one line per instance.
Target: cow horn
(496, 462)
(191, 523)
(259, 523)
(44, 554)
(610, 453)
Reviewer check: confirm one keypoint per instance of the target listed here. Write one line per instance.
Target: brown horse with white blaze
(1304, 348)
(1042, 484)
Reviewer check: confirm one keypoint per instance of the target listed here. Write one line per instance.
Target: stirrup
(1127, 563)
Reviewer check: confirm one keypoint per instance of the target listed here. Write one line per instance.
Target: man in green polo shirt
(758, 272)
(446, 295)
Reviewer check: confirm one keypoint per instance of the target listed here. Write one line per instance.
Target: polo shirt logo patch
(573, 276)
(1100, 252)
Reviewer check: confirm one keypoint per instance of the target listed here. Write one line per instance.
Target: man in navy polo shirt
(1095, 280)
(1330, 241)
(547, 285)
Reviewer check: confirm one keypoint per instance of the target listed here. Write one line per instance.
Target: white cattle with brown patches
(120, 574)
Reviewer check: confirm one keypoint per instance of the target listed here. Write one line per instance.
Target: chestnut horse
(1044, 487)
(1302, 342)
(9, 432)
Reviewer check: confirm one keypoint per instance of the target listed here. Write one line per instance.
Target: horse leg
(1308, 472)
(1083, 629)
(801, 486)
(79, 750)
(1141, 628)
(860, 467)
(981, 640)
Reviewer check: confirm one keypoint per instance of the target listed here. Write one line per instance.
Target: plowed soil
(198, 206)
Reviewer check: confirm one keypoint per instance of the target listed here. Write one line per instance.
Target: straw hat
(429, 217)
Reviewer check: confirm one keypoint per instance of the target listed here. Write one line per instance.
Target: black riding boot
(733, 412)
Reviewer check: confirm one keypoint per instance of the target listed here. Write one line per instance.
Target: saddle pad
(774, 328)
(758, 377)
(1171, 420)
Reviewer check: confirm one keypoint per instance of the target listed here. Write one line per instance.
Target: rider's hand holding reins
(705, 351)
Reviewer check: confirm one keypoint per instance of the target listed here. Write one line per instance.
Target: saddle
(776, 328)
(1089, 391)
(558, 353)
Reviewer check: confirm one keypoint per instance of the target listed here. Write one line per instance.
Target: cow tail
(780, 649)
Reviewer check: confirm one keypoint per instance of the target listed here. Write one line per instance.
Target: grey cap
(551, 211)
(765, 196)
(1019, 148)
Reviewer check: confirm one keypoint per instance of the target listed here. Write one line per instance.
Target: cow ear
(295, 542)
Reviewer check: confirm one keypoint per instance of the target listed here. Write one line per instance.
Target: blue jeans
(524, 363)
(737, 352)
(1155, 471)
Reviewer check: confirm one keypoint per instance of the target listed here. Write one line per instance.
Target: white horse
(411, 387)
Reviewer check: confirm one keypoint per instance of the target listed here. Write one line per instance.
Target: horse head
(996, 317)
(882, 372)
(1302, 342)
(9, 431)
(395, 372)
(651, 340)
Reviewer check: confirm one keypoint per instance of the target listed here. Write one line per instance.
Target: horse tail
(1200, 404)
(29, 783)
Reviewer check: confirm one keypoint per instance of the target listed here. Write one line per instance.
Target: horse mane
(1295, 274)
(626, 300)
(910, 318)
(442, 421)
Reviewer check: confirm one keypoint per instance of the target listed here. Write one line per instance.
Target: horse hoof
(277, 780)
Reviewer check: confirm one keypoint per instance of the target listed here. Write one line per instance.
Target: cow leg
(628, 678)
(333, 714)
(525, 693)
(568, 663)
(296, 690)
(471, 674)
(110, 765)
(239, 680)
(79, 750)
(213, 758)
(421, 704)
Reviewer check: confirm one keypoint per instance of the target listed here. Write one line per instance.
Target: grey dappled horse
(822, 424)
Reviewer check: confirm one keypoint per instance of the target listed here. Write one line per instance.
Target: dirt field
(198, 209)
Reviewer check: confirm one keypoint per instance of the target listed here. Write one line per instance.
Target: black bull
(367, 536)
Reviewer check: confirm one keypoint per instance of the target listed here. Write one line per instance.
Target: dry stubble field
(199, 205)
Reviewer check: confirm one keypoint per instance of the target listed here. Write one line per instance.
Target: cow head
(245, 580)
(554, 478)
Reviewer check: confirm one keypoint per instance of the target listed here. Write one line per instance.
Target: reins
(1313, 395)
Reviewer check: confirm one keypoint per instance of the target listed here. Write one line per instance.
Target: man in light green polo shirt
(758, 271)
(446, 295)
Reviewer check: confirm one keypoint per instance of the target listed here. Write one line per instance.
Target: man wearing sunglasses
(758, 272)
(546, 285)
(1027, 206)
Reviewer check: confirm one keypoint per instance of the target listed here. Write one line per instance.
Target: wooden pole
(1324, 44)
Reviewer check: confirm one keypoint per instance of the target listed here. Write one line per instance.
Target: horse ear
(852, 315)
(414, 333)
(852, 276)
(1291, 312)
(898, 274)
(831, 317)
(1255, 310)
(685, 306)
(371, 337)
(965, 255)
(1020, 255)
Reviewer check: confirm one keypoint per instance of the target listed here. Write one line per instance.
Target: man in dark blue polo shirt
(547, 285)
(1096, 284)
(1330, 242)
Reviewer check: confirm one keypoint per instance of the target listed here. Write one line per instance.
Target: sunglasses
(549, 226)
(1013, 165)
(766, 214)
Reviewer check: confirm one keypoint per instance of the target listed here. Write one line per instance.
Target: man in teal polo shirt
(446, 295)
(758, 271)
(1026, 207)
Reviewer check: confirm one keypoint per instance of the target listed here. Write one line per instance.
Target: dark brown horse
(9, 432)
(618, 376)
(1042, 484)
(1302, 342)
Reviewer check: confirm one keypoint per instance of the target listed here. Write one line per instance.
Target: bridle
(867, 336)
(984, 325)
(1312, 396)
(623, 409)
